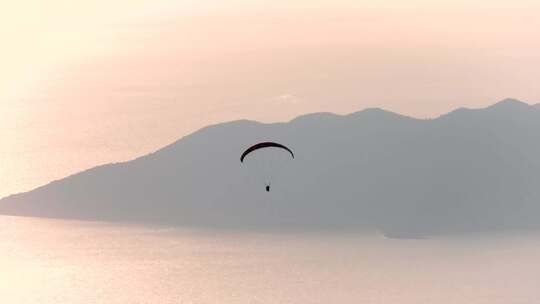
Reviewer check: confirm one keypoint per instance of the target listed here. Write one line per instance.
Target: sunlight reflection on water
(55, 261)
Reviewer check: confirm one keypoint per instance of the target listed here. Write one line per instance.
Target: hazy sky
(87, 82)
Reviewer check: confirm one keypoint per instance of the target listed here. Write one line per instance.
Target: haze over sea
(86, 83)
(58, 261)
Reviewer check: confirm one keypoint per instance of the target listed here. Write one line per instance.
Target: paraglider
(262, 146)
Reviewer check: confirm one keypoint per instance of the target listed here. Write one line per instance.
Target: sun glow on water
(53, 261)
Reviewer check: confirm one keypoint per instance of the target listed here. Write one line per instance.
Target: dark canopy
(264, 145)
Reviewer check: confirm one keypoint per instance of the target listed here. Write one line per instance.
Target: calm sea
(55, 261)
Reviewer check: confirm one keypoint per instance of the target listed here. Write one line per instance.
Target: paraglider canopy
(263, 145)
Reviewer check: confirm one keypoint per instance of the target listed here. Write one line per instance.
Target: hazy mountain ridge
(466, 171)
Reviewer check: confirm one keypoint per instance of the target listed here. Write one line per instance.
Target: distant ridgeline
(468, 171)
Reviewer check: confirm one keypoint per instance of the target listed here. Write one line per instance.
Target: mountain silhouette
(468, 171)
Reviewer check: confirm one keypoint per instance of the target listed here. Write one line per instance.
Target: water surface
(56, 261)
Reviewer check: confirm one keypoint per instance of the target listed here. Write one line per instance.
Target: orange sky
(416, 57)
(111, 80)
